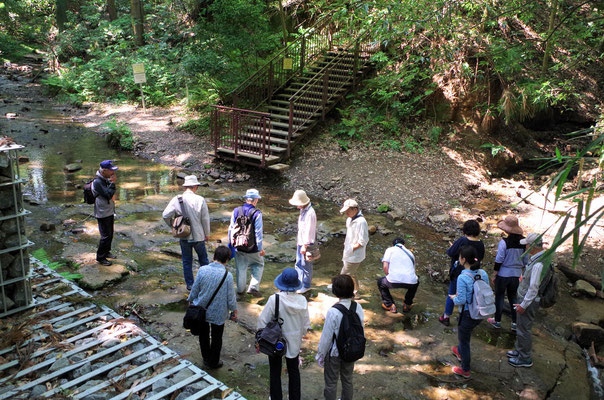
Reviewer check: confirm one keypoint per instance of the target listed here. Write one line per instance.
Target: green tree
(138, 21)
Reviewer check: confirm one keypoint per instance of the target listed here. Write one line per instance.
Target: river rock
(586, 333)
(47, 226)
(437, 219)
(96, 276)
(73, 167)
(23, 159)
(38, 390)
(585, 288)
(372, 229)
(83, 370)
(181, 175)
(214, 174)
(59, 364)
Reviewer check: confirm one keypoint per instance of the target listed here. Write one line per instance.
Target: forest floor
(431, 195)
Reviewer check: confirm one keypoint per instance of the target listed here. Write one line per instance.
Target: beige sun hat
(299, 198)
(350, 203)
(191, 180)
(510, 225)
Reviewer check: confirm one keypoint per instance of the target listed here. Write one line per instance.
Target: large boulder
(96, 276)
(587, 333)
(584, 288)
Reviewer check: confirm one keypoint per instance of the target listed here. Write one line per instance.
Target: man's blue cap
(108, 164)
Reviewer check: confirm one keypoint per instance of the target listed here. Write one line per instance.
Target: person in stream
(103, 189)
(293, 310)
(194, 207)
(468, 258)
(327, 355)
(355, 244)
(307, 234)
(399, 266)
(209, 278)
(509, 262)
(471, 232)
(526, 310)
(249, 234)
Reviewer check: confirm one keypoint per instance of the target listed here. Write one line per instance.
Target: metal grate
(87, 351)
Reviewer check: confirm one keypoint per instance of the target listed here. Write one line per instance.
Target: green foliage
(118, 135)
(495, 148)
(41, 255)
(199, 126)
(383, 208)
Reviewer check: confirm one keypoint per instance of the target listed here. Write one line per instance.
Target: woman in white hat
(307, 235)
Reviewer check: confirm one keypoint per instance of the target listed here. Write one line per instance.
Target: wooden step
(272, 139)
(269, 159)
(286, 110)
(254, 144)
(276, 133)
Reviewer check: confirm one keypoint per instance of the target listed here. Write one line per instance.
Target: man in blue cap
(245, 235)
(103, 189)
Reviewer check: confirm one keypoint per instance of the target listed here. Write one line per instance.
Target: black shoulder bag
(196, 315)
(270, 339)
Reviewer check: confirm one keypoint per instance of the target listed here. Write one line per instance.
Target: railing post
(290, 129)
(355, 68)
(324, 97)
(302, 53)
(263, 162)
(271, 74)
(216, 135)
(235, 130)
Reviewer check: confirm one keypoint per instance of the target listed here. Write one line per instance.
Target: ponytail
(470, 254)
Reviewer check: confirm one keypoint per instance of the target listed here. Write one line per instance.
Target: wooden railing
(241, 131)
(284, 65)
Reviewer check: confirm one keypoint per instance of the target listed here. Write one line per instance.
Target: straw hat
(190, 180)
(350, 203)
(510, 225)
(288, 280)
(299, 198)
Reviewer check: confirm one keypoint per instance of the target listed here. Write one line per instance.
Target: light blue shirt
(511, 260)
(465, 286)
(207, 280)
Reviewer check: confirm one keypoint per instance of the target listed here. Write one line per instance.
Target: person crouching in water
(468, 258)
(293, 310)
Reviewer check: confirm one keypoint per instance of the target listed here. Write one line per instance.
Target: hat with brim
(299, 198)
(350, 203)
(191, 180)
(252, 194)
(288, 280)
(533, 239)
(108, 164)
(510, 225)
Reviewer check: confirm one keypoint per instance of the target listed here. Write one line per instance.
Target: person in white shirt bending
(399, 267)
(357, 237)
(195, 208)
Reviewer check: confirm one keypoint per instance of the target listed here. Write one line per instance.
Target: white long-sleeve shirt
(196, 210)
(529, 287)
(357, 231)
(331, 327)
(307, 226)
(293, 309)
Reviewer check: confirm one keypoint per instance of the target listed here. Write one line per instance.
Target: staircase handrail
(265, 69)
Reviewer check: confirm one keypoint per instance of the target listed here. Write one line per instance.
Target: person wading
(307, 234)
(103, 189)
(357, 237)
(194, 207)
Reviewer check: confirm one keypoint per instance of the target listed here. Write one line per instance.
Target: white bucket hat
(350, 203)
(299, 198)
(532, 239)
(191, 180)
(252, 194)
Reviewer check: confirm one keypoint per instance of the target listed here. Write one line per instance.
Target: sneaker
(104, 262)
(406, 308)
(517, 362)
(512, 354)
(444, 320)
(456, 352)
(254, 292)
(513, 327)
(460, 372)
(391, 308)
(494, 323)
(110, 255)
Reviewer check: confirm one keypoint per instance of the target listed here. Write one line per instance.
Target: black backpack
(243, 235)
(89, 197)
(270, 339)
(351, 336)
(548, 288)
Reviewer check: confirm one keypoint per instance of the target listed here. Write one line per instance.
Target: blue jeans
(464, 334)
(304, 268)
(256, 264)
(449, 305)
(187, 259)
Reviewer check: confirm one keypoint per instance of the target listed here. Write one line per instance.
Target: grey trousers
(334, 369)
(524, 340)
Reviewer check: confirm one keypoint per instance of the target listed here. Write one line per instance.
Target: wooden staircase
(287, 98)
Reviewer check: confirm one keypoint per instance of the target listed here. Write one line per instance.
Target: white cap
(532, 238)
(191, 180)
(350, 203)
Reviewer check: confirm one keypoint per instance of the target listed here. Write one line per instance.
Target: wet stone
(59, 364)
(88, 385)
(584, 288)
(111, 343)
(162, 384)
(76, 358)
(73, 167)
(83, 370)
(182, 375)
(38, 390)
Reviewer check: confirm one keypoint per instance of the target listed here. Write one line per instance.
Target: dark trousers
(384, 287)
(106, 231)
(186, 249)
(210, 350)
(449, 305)
(337, 369)
(293, 371)
(464, 334)
(505, 285)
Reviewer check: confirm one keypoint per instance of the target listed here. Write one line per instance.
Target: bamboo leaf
(577, 252)
(558, 155)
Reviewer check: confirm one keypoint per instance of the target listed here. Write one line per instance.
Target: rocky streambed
(408, 355)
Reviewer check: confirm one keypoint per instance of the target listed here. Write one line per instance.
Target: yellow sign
(288, 63)
(139, 73)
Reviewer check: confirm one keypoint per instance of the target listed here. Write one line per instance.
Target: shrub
(118, 135)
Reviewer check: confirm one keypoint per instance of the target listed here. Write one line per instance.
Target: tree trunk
(61, 14)
(550, 32)
(138, 19)
(283, 23)
(111, 10)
